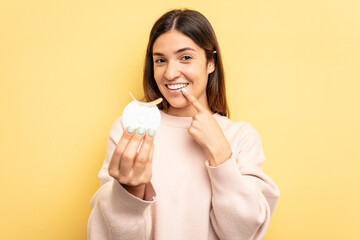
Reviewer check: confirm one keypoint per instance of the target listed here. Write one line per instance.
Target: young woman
(200, 175)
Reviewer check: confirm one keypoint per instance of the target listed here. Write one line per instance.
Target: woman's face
(180, 63)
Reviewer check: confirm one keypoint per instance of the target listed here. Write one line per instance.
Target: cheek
(157, 75)
(191, 72)
(196, 74)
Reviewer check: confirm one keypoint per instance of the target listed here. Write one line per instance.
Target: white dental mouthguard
(142, 114)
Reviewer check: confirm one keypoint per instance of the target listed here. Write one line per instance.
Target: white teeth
(176, 86)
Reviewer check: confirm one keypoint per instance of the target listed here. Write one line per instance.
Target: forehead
(172, 41)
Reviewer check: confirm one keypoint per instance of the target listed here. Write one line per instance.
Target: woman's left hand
(206, 131)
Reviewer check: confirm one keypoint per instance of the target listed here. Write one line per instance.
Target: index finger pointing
(197, 105)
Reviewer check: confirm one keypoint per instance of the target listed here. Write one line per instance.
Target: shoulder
(240, 127)
(116, 130)
(240, 132)
(117, 123)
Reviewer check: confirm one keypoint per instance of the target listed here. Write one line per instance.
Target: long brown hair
(194, 25)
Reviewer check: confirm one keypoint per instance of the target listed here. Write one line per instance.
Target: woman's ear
(211, 65)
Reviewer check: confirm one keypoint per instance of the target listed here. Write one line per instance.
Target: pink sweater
(187, 198)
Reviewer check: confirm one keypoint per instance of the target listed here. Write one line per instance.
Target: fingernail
(141, 131)
(151, 132)
(131, 129)
(183, 90)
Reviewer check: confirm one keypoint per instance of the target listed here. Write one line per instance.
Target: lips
(176, 86)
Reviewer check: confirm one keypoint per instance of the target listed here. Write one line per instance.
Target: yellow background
(66, 68)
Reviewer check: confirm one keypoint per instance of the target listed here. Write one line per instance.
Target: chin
(178, 104)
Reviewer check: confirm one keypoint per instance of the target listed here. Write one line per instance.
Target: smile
(176, 86)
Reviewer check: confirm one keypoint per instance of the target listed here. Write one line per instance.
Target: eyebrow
(176, 52)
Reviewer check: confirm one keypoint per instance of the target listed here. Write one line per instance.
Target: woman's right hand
(133, 169)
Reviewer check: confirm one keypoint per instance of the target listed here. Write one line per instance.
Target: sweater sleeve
(117, 214)
(243, 197)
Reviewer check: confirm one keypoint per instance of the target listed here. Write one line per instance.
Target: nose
(172, 71)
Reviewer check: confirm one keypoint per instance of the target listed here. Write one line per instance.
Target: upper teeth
(177, 86)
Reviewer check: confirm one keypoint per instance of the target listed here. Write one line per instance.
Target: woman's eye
(186, 57)
(160, 60)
